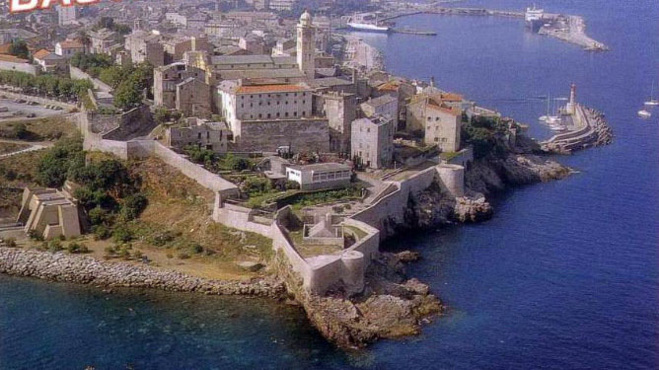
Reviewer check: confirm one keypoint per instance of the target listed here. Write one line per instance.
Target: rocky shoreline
(391, 306)
(80, 269)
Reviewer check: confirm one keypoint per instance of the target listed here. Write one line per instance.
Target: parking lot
(12, 110)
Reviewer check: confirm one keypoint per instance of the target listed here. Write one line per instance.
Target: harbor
(568, 28)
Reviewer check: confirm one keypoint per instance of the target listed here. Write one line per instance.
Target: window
(294, 114)
(268, 115)
(260, 115)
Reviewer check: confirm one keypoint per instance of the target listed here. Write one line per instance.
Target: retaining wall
(79, 74)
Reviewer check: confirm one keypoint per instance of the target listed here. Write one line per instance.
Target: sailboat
(545, 118)
(644, 114)
(652, 101)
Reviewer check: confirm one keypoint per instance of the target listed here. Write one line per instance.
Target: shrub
(170, 256)
(133, 206)
(98, 216)
(109, 250)
(101, 232)
(20, 131)
(10, 242)
(55, 245)
(183, 256)
(138, 255)
(124, 251)
(34, 235)
(292, 185)
(122, 234)
(162, 238)
(74, 248)
(256, 185)
(238, 164)
(197, 248)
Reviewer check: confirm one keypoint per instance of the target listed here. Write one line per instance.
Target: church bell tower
(306, 45)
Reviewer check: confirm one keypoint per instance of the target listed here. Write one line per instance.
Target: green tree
(128, 94)
(20, 131)
(19, 49)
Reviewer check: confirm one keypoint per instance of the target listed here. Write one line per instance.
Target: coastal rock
(386, 309)
(489, 175)
(408, 256)
(473, 210)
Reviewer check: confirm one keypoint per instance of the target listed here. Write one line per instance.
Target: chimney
(432, 81)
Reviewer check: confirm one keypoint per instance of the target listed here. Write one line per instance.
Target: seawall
(83, 269)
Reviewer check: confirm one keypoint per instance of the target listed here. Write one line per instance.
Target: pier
(407, 31)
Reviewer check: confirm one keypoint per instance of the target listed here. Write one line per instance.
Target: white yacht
(644, 114)
(652, 101)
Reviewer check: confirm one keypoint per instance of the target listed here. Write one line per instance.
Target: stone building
(202, 133)
(259, 102)
(175, 47)
(385, 105)
(102, 41)
(340, 110)
(252, 43)
(442, 128)
(182, 87)
(265, 117)
(372, 141)
(49, 213)
(145, 47)
(67, 15)
(438, 118)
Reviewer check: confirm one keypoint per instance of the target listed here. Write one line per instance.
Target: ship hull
(367, 28)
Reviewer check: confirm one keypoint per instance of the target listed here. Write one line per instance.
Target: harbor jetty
(590, 130)
(569, 28)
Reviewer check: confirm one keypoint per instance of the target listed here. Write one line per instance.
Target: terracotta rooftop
(71, 44)
(41, 54)
(451, 97)
(451, 111)
(269, 89)
(11, 58)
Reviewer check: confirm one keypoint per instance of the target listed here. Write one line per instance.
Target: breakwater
(80, 269)
(592, 130)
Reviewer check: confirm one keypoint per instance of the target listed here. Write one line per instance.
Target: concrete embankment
(82, 269)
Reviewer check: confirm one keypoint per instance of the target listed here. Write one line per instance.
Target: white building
(281, 5)
(372, 141)
(67, 15)
(320, 175)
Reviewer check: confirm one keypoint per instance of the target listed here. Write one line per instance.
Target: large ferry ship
(533, 18)
(361, 22)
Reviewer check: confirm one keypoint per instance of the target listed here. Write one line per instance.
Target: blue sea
(565, 276)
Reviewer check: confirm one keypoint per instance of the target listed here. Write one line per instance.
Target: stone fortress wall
(318, 273)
